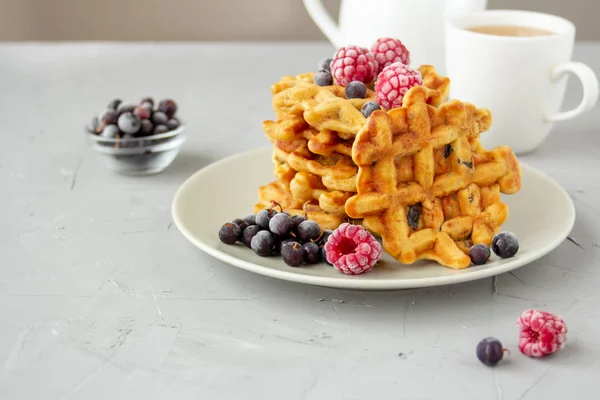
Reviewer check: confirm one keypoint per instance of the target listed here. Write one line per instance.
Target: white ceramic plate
(541, 215)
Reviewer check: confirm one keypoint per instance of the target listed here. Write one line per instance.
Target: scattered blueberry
(262, 243)
(369, 107)
(173, 124)
(110, 132)
(147, 127)
(313, 252)
(309, 231)
(248, 234)
(241, 223)
(480, 254)
(293, 254)
(160, 118)
(264, 216)
(113, 105)
(489, 351)
(280, 224)
(250, 219)
(325, 64)
(356, 90)
(160, 129)
(505, 244)
(229, 233)
(323, 78)
(129, 123)
(168, 106)
(143, 112)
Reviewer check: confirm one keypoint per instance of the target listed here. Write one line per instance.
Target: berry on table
(129, 123)
(352, 250)
(173, 123)
(293, 254)
(280, 224)
(353, 63)
(229, 233)
(505, 244)
(479, 254)
(262, 243)
(368, 108)
(313, 252)
(110, 132)
(248, 234)
(147, 127)
(541, 333)
(325, 64)
(490, 351)
(113, 105)
(356, 90)
(264, 216)
(168, 106)
(142, 112)
(323, 78)
(250, 219)
(160, 129)
(160, 118)
(309, 231)
(388, 51)
(393, 82)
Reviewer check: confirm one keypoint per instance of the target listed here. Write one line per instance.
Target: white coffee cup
(418, 24)
(520, 79)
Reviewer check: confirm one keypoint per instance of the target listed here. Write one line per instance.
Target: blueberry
(309, 231)
(168, 106)
(143, 112)
(264, 216)
(479, 254)
(323, 78)
(250, 219)
(241, 223)
(173, 123)
(248, 234)
(369, 107)
(160, 129)
(262, 243)
(229, 233)
(109, 117)
(325, 64)
(129, 123)
(147, 128)
(280, 224)
(412, 215)
(313, 253)
(489, 351)
(113, 105)
(160, 118)
(293, 254)
(356, 90)
(125, 107)
(110, 132)
(505, 244)
(147, 100)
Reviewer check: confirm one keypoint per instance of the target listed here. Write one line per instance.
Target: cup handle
(589, 82)
(323, 20)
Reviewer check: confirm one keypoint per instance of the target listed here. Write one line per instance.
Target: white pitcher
(419, 24)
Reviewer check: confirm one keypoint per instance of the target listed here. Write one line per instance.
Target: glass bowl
(140, 155)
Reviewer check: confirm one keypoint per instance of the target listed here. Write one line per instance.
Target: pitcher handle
(324, 21)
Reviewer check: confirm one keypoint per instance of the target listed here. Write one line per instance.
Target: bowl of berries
(137, 139)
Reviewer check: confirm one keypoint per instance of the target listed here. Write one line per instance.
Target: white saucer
(541, 215)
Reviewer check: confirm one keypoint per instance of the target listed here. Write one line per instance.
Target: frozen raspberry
(541, 333)
(393, 82)
(353, 63)
(388, 51)
(352, 250)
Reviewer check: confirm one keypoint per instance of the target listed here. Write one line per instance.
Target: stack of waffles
(416, 176)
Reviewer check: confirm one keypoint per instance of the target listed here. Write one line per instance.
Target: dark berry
(297, 220)
(109, 117)
(147, 127)
(160, 129)
(323, 78)
(168, 106)
(325, 64)
(143, 112)
(309, 231)
(447, 150)
(479, 254)
(369, 107)
(129, 123)
(280, 224)
(113, 105)
(110, 132)
(229, 233)
(241, 223)
(160, 118)
(324, 255)
(313, 253)
(250, 219)
(505, 244)
(125, 107)
(489, 351)
(173, 123)
(264, 216)
(412, 215)
(248, 234)
(282, 243)
(147, 100)
(262, 243)
(356, 90)
(293, 254)
(324, 236)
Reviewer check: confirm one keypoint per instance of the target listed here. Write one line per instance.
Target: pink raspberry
(352, 250)
(388, 51)
(541, 333)
(353, 63)
(393, 82)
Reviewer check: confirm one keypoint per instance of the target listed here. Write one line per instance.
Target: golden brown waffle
(425, 184)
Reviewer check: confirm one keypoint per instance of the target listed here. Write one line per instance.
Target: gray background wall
(212, 19)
